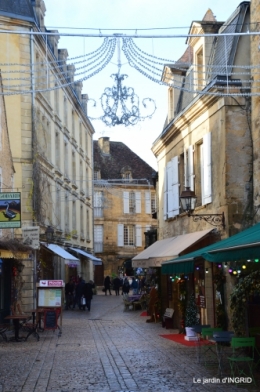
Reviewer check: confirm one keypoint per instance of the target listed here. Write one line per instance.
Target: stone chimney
(84, 102)
(62, 56)
(54, 40)
(71, 72)
(104, 145)
(78, 88)
(40, 10)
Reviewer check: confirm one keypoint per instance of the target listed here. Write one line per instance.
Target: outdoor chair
(253, 333)
(3, 333)
(127, 304)
(208, 350)
(242, 359)
(197, 329)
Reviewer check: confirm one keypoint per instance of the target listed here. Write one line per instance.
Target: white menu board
(49, 297)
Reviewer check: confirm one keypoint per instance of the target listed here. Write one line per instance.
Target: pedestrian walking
(80, 293)
(69, 293)
(88, 294)
(107, 285)
(116, 285)
(126, 286)
(135, 286)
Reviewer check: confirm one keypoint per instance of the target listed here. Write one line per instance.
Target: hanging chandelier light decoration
(120, 104)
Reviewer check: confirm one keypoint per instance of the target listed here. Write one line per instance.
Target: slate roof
(110, 165)
(222, 53)
(17, 8)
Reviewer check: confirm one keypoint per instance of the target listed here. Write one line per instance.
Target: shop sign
(51, 283)
(10, 208)
(202, 301)
(31, 236)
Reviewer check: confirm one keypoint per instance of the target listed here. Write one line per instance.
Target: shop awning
(8, 254)
(96, 260)
(167, 249)
(244, 245)
(68, 258)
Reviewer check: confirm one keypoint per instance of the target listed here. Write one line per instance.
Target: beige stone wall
(255, 56)
(40, 124)
(113, 255)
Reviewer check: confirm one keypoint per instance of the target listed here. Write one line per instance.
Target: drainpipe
(33, 135)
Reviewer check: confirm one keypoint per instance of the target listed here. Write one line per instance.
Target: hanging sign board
(10, 210)
(51, 283)
(31, 236)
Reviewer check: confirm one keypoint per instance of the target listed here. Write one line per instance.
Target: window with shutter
(138, 202)
(126, 202)
(147, 202)
(174, 198)
(207, 186)
(98, 238)
(165, 195)
(120, 234)
(138, 235)
(129, 235)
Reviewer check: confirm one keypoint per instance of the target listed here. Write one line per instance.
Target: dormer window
(97, 175)
(126, 173)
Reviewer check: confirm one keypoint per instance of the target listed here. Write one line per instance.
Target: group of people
(137, 285)
(78, 293)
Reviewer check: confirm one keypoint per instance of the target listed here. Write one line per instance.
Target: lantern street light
(49, 234)
(188, 202)
(20, 267)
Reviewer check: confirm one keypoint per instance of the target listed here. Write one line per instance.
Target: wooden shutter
(174, 193)
(120, 234)
(207, 186)
(148, 202)
(165, 195)
(126, 202)
(190, 168)
(138, 202)
(170, 200)
(138, 235)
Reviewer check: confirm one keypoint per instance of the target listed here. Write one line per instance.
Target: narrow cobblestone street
(104, 350)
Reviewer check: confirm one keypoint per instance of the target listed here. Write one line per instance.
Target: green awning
(187, 267)
(244, 245)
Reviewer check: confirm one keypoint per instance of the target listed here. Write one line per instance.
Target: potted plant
(191, 318)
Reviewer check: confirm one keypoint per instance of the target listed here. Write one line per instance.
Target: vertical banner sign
(31, 236)
(10, 210)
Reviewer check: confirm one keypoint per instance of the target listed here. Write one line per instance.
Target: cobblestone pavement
(105, 350)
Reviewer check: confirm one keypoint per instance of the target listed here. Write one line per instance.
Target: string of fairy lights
(50, 74)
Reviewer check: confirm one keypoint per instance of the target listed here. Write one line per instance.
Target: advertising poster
(10, 210)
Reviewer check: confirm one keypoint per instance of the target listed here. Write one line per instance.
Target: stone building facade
(206, 144)
(124, 203)
(50, 138)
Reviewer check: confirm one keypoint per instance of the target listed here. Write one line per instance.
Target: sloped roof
(17, 8)
(223, 53)
(111, 165)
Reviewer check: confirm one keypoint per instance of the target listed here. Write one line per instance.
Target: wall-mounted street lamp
(188, 201)
(20, 267)
(49, 234)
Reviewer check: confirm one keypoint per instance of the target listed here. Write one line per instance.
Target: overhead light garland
(120, 104)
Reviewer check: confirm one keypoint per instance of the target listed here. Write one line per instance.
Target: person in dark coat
(80, 292)
(107, 284)
(116, 284)
(69, 293)
(126, 286)
(88, 294)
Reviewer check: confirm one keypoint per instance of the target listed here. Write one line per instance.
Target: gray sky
(131, 14)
